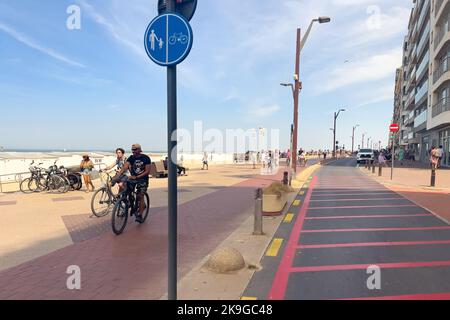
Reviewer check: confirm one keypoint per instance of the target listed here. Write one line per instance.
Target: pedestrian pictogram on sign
(168, 39)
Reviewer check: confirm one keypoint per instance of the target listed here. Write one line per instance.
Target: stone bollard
(373, 167)
(285, 178)
(258, 226)
(380, 170)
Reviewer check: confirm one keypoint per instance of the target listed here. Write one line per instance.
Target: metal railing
(442, 106)
(17, 178)
(442, 68)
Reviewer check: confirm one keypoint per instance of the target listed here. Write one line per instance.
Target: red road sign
(394, 128)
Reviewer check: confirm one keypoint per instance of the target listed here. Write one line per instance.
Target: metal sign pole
(172, 154)
(168, 41)
(392, 157)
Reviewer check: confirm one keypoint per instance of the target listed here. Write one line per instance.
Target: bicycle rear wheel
(147, 207)
(35, 184)
(24, 186)
(119, 217)
(101, 202)
(75, 181)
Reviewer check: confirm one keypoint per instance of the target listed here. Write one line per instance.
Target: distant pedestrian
(434, 158)
(205, 161)
(440, 154)
(86, 167)
(270, 162)
(253, 157)
(382, 159)
(401, 156)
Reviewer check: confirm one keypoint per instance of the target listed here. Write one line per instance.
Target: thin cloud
(376, 67)
(137, 48)
(264, 112)
(34, 45)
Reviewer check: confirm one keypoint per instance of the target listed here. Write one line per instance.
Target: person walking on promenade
(382, 159)
(288, 158)
(440, 153)
(253, 157)
(86, 167)
(270, 162)
(434, 158)
(401, 156)
(205, 161)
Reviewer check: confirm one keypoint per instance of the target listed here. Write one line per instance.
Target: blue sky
(95, 88)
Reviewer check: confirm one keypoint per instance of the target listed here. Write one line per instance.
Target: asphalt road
(352, 238)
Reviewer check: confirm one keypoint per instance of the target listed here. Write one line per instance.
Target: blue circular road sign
(168, 39)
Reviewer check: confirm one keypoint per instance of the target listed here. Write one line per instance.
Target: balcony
(411, 100)
(425, 62)
(442, 106)
(437, 6)
(420, 119)
(441, 70)
(423, 91)
(441, 34)
(425, 10)
(424, 40)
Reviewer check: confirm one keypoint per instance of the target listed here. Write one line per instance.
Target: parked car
(364, 155)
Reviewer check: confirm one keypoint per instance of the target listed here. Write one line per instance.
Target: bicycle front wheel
(101, 202)
(119, 217)
(147, 207)
(57, 184)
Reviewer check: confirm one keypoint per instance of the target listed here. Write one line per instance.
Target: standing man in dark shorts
(139, 166)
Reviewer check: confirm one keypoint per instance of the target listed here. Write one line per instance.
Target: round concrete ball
(225, 260)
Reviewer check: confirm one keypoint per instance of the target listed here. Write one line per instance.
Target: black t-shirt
(137, 165)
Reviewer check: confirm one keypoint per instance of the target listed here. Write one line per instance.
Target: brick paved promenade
(133, 265)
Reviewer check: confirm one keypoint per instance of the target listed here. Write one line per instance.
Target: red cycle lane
(348, 223)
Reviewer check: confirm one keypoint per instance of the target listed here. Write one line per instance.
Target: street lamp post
(297, 86)
(353, 138)
(336, 115)
(363, 136)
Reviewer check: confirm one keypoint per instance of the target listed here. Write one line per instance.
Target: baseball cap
(136, 146)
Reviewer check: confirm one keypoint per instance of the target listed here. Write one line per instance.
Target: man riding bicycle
(139, 166)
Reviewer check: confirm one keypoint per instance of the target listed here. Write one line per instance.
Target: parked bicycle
(104, 198)
(36, 176)
(128, 204)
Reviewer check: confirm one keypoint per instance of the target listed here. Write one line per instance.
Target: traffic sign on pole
(186, 8)
(168, 39)
(394, 128)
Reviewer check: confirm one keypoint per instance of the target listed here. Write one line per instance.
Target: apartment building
(422, 92)
(438, 123)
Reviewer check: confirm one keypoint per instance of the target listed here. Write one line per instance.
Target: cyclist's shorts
(141, 186)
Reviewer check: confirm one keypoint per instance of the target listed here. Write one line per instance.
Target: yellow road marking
(297, 203)
(288, 218)
(274, 247)
(249, 298)
(302, 193)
